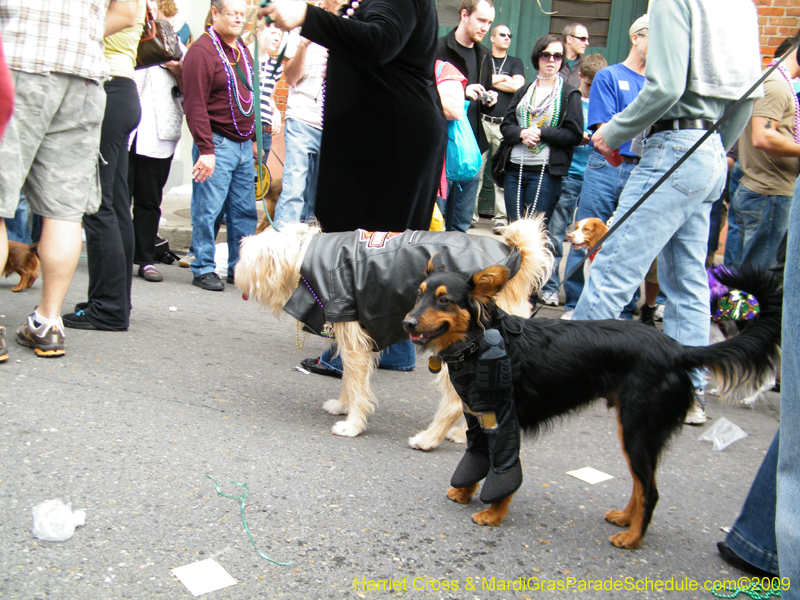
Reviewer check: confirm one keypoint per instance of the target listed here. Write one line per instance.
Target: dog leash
(726, 115)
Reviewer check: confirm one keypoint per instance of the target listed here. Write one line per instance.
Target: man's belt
(493, 120)
(266, 128)
(678, 124)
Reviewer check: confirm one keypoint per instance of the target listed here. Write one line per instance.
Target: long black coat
(384, 133)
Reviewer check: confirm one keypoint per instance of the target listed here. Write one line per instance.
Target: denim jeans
(17, 228)
(671, 225)
(398, 357)
(765, 220)
(752, 536)
(602, 186)
(559, 222)
(733, 241)
(788, 515)
(545, 203)
(460, 203)
(300, 168)
(231, 189)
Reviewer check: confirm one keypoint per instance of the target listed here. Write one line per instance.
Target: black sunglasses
(548, 55)
(508, 35)
(584, 39)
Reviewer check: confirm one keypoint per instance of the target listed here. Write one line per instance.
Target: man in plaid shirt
(50, 150)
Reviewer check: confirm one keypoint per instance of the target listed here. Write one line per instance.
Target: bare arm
(296, 66)
(452, 94)
(506, 83)
(119, 16)
(766, 138)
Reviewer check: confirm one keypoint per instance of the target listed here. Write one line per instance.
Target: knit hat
(642, 22)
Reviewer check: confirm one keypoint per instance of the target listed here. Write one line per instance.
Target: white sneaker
(659, 316)
(696, 415)
(550, 298)
(567, 316)
(186, 260)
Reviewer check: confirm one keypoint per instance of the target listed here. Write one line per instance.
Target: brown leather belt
(265, 128)
(678, 124)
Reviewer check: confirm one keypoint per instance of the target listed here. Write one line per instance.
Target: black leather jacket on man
(372, 277)
(448, 50)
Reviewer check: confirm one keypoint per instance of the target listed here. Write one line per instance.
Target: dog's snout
(410, 324)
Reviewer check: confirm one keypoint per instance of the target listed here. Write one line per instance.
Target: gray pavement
(127, 426)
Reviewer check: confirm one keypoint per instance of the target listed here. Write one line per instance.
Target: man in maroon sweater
(219, 100)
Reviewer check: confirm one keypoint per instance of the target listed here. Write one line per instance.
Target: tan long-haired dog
(268, 272)
(22, 259)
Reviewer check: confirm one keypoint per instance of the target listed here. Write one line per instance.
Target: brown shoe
(149, 273)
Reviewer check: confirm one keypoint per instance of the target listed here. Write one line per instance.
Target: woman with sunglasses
(541, 127)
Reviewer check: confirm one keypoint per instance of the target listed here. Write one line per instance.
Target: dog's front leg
(493, 515)
(444, 422)
(358, 360)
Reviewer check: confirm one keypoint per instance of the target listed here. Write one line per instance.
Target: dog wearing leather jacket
(557, 367)
(359, 286)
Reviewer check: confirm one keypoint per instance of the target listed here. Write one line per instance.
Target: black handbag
(158, 44)
(499, 161)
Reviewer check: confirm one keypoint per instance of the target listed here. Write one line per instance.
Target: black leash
(675, 167)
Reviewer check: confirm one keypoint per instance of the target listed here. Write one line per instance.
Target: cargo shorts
(51, 146)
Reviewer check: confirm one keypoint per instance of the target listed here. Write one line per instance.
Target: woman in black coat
(541, 128)
(384, 134)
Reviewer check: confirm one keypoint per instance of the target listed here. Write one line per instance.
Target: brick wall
(777, 20)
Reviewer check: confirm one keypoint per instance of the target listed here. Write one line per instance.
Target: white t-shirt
(305, 99)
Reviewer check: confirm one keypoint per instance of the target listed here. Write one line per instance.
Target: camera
(487, 97)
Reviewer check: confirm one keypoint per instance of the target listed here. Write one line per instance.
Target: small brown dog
(587, 233)
(22, 259)
(274, 192)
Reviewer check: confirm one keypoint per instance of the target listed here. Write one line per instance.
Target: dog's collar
(464, 351)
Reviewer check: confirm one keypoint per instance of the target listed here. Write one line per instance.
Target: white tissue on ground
(722, 433)
(54, 521)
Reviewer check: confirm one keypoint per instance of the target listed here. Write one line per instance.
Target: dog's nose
(410, 324)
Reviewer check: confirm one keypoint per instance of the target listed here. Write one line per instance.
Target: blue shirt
(613, 89)
(580, 156)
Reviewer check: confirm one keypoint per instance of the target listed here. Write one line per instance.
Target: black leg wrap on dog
(474, 465)
(486, 390)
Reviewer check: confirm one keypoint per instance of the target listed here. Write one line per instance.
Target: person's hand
(204, 167)
(494, 96)
(600, 143)
(286, 14)
(474, 91)
(531, 136)
(586, 139)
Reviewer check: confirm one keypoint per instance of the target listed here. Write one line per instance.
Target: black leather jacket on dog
(372, 277)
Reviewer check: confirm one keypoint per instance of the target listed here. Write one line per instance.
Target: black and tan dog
(561, 366)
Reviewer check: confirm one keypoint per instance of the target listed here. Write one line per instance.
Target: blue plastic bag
(463, 154)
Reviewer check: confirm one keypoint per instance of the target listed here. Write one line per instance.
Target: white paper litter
(590, 475)
(203, 576)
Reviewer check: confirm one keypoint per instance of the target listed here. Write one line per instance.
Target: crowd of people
(372, 89)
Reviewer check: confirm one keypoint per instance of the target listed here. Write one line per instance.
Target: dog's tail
(530, 236)
(745, 361)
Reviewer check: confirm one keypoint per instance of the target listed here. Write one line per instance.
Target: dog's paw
(458, 434)
(489, 517)
(461, 495)
(626, 540)
(335, 407)
(423, 441)
(345, 429)
(618, 517)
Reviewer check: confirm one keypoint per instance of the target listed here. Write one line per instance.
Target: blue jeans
(17, 228)
(460, 204)
(733, 242)
(231, 189)
(559, 222)
(300, 168)
(752, 537)
(602, 186)
(671, 225)
(548, 194)
(765, 220)
(788, 516)
(398, 357)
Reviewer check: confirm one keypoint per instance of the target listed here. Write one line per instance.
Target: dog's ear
(434, 264)
(485, 284)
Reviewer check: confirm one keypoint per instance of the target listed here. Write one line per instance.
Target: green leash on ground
(244, 521)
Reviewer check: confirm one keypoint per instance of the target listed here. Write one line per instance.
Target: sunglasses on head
(584, 39)
(503, 34)
(548, 55)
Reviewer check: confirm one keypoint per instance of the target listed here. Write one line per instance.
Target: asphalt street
(129, 426)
